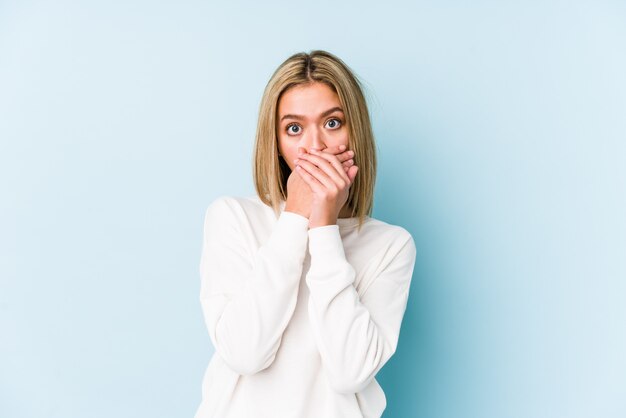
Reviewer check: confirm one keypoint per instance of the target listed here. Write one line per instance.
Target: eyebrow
(326, 113)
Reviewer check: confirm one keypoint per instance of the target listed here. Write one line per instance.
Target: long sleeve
(356, 337)
(248, 296)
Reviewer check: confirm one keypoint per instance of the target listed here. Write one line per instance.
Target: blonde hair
(271, 171)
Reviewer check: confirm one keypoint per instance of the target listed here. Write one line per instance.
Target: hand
(299, 194)
(329, 182)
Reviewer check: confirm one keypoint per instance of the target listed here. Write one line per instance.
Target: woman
(303, 292)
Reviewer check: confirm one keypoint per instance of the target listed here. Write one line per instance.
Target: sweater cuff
(290, 233)
(325, 244)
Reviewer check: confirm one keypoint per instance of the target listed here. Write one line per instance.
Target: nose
(312, 138)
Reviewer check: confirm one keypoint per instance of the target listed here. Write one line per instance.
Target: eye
(334, 123)
(292, 125)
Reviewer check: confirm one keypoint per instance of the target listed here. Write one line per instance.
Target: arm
(356, 336)
(248, 298)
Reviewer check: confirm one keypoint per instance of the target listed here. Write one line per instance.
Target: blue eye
(336, 124)
(291, 126)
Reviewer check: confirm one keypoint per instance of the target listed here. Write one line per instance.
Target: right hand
(299, 193)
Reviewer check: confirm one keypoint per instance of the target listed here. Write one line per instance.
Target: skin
(310, 139)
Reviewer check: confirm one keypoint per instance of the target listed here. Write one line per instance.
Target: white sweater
(301, 319)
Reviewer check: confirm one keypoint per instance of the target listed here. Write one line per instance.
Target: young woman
(302, 291)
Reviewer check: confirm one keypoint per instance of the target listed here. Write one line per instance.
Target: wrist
(295, 209)
(315, 221)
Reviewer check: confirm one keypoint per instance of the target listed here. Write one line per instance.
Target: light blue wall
(501, 131)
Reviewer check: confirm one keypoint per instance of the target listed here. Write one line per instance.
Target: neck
(345, 212)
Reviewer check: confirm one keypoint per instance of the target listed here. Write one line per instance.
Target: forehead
(308, 99)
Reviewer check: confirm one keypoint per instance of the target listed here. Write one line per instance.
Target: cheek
(290, 156)
(288, 151)
(282, 146)
(343, 139)
(343, 135)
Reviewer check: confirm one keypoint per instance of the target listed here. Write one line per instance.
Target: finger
(346, 164)
(334, 163)
(337, 149)
(309, 179)
(352, 173)
(327, 173)
(318, 157)
(345, 156)
(341, 155)
(341, 151)
(319, 174)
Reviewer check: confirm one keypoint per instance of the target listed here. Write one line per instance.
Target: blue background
(501, 130)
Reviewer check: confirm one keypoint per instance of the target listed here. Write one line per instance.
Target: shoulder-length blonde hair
(271, 170)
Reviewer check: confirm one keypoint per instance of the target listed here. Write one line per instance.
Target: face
(309, 116)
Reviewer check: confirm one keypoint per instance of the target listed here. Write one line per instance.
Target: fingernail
(342, 147)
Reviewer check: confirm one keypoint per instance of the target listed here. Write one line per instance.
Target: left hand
(329, 182)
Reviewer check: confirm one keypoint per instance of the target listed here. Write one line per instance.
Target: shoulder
(227, 208)
(378, 228)
(229, 203)
(392, 239)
